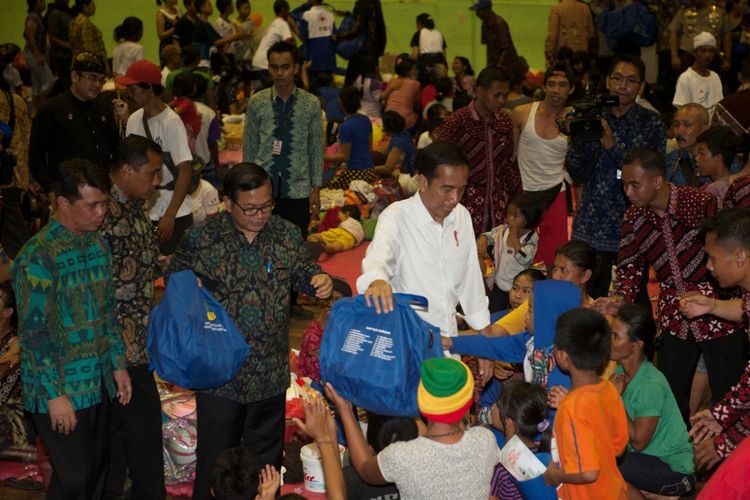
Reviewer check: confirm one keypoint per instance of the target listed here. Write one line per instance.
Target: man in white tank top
(541, 150)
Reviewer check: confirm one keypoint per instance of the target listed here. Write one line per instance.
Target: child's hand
(342, 405)
(618, 380)
(555, 395)
(447, 343)
(553, 475)
(503, 371)
(270, 482)
(318, 424)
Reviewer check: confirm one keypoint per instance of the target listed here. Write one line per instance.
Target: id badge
(276, 149)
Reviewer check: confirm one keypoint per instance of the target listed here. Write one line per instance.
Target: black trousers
(136, 441)
(599, 284)
(223, 423)
(15, 230)
(296, 211)
(725, 358)
(650, 473)
(79, 459)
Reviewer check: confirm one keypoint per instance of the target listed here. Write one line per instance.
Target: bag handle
(411, 299)
(403, 298)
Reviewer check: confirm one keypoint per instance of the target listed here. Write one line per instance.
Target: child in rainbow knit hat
(447, 461)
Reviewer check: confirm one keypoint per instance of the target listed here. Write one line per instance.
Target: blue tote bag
(192, 341)
(373, 360)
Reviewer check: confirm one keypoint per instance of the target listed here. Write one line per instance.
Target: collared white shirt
(417, 255)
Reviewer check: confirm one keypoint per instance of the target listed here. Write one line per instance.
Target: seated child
(523, 286)
(236, 474)
(591, 427)
(347, 235)
(512, 245)
(533, 348)
(522, 410)
(400, 152)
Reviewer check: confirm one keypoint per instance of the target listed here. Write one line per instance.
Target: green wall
(459, 25)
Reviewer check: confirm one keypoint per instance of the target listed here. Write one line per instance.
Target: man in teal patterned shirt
(249, 260)
(284, 135)
(72, 354)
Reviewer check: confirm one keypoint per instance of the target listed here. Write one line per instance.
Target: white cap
(704, 39)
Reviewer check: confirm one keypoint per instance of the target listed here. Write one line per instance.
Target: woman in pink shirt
(402, 93)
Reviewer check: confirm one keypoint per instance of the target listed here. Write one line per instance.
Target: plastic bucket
(312, 467)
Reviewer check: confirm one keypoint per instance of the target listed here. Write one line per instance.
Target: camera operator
(598, 165)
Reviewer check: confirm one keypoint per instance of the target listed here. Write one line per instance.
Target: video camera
(584, 123)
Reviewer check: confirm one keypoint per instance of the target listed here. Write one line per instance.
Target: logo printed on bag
(211, 324)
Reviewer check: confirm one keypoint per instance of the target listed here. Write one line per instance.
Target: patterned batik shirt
(673, 247)
(135, 249)
(252, 282)
(86, 37)
(599, 217)
(733, 411)
(298, 124)
(68, 333)
(493, 176)
(738, 193)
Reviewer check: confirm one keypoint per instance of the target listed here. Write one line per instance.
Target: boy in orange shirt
(591, 427)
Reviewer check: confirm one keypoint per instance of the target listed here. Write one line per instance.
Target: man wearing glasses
(74, 124)
(249, 260)
(598, 165)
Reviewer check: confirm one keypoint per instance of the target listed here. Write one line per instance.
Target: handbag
(192, 341)
(374, 360)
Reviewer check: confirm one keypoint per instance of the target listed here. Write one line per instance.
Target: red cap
(140, 72)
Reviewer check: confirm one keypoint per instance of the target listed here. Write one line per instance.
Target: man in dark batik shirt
(501, 52)
(249, 260)
(135, 429)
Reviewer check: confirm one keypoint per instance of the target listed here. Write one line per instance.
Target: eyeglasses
(619, 80)
(250, 211)
(93, 77)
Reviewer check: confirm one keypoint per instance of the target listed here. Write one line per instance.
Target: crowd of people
(111, 177)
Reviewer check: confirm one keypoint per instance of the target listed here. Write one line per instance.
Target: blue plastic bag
(349, 48)
(192, 341)
(374, 360)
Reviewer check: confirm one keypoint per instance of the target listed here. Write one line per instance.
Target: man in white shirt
(698, 83)
(425, 246)
(171, 209)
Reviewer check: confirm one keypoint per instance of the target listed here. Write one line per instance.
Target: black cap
(88, 62)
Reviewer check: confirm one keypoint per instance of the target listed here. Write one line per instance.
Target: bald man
(690, 121)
